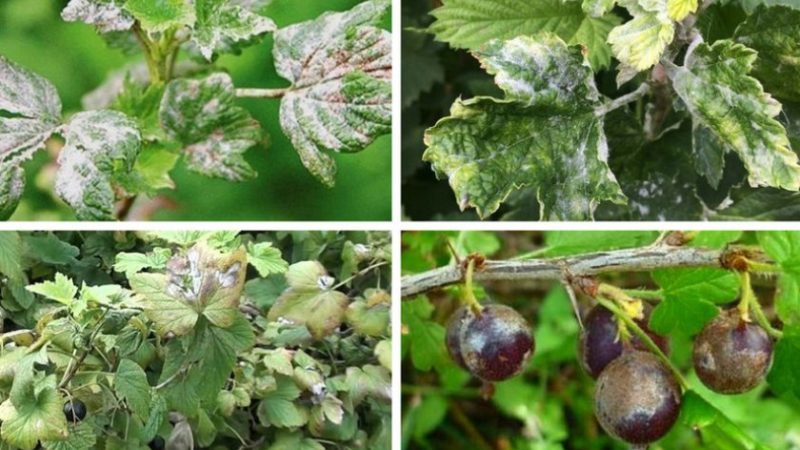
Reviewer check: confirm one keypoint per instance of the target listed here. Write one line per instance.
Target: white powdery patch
(107, 16)
(27, 94)
(229, 24)
(75, 173)
(104, 95)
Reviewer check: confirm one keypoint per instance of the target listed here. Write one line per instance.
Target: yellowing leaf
(679, 9)
(640, 42)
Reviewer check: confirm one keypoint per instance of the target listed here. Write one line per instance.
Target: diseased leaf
(202, 114)
(597, 8)
(309, 300)
(340, 68)
(775, 34)
(167, 313)
(640, 42)
(735, 109)
(546, 136)
(81, 437)
(161, 15)
(471, 24)
(35, 110)
(62, 289)
(221, 24)
(679, 9)
(105, 15)
(35, 415)
(101, 147)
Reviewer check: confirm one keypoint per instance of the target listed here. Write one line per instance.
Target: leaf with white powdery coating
(221, 24)
(105, 15)
(640, 42)
(471, 24)
(775, 34)
(734, 108)
(202, 114)
(101, 147)
(36, 109)
(543, 134)
(340, 67)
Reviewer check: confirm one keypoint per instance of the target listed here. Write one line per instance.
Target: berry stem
(469, 295)
(747, 296)
(648, 341)
(645, 294)
(761, 267)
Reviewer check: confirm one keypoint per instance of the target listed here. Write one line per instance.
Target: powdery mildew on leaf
(221, 24)
(734, 107)
(775, 34)
(100, 145)
(12, 183)
(105, 15)
(340, 98)
(640, 42)
(202, 115)
(35, 110)
(472, 23)
(534, 137)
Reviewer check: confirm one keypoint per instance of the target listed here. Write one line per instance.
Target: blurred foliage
(550, 406)
(77, 60)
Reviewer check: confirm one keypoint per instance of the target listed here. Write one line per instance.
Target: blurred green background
(76, 60)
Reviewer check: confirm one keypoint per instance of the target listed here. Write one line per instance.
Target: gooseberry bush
(596, 340)
(603, 109)
(183, 340)
(179, 103)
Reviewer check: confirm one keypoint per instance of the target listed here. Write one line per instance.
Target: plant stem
(469, 295)
(619, 102)
(648, 341)
(747, 296)
(359, 273)
(762, 320)
(642, 259)
(261, 93)
(645, 294)
(462, 419)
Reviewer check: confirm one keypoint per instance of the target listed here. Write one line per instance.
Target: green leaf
(368, 320)
(35, 110)
(340, 68)
(784, 248)
(751, 5)
(733, 108)
(383, 350)
(428, 415)
(49, 249)
(220, 25)
(11, 255)
(131, 263)
(219, 347)
(760, 204)
(713, 425)
(215, 132)
(101, 146)
(784, 376)
(309, 300)
(542, 135)
(472, 23)
(775, 34)
(373, 382)
(81, 437)
(162, 15)
(62, 289)
(715, 239)
(266, 259)
(640, 42)
(295, 441)
(690, 296)
(424, 338)
(278, 408)
(37, 416)
(131, 385)
(105, 15)
(565, 243)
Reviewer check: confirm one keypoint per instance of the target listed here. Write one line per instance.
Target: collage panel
(600, 340)
(182, 340)
(665, 110)
(202, 110)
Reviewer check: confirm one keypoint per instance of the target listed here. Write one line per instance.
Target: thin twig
(627, 260)
(619, 102)
(360, 273)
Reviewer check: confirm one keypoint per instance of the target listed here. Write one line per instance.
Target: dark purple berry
(637, 398)
(74, 411)
(496, 343)
(157, 443)
(732, 356)
(599, 343)
(453, 336)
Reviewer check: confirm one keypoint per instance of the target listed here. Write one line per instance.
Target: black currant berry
(74, 410)
(732, 356)
(637, 398)
(493, 345)
(453, 336)
(599, 343)
(157, 443)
